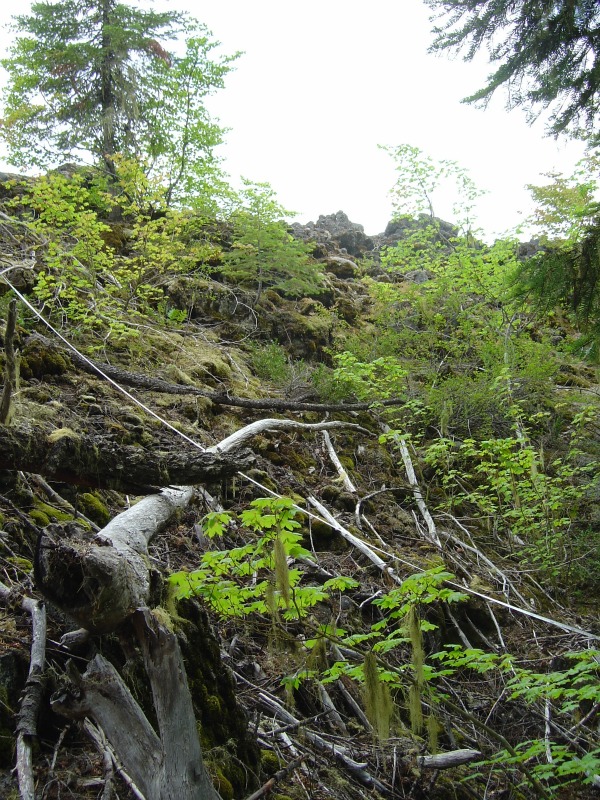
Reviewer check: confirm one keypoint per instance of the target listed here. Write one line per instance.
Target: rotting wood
(32, 694)
(164, 766)
(100, 462)
(100, 581)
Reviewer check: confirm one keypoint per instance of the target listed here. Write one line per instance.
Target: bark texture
(99, 580)
(100, 462)
(166, 765)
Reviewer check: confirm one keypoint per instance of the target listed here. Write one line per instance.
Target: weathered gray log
(164, 766)
(447, 760)
(100, 580)
(98, 461)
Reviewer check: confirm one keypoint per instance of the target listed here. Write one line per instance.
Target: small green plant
(552, 760)
(271, 528)
(271, 362)
(264, 254)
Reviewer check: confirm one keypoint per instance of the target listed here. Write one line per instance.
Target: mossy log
(137, 380)
(100, 462)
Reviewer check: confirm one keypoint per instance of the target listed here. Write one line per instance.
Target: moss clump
(39, 518)
(211, 370)
(176, 375)
(213, 705)
(269, 763)
(92, 506)
(46, 511)
(39, 360)
(322, 534)
(262, 477)
(62, 433)
(21, 563)
(223, 786)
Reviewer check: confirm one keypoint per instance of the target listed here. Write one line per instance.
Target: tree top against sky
(547, 54)
(102, 77)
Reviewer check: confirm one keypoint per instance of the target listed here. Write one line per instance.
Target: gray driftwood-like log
(101, 579)
(448, 760)
(166, 765)
(100, 462)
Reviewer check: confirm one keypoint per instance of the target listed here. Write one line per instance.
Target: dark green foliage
(545, 53)
(567, 275)
(264, 254)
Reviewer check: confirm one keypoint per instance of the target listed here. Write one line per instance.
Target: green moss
(269, 762)
(39, 360)
(62, 433)
(223, 786)
(48, 511)
(92, 506)
(22, 563)
(39, 518)
(213, 705)
(347, 463)
(322, 534)
(262, 477)
(176, 375)
(330, 493)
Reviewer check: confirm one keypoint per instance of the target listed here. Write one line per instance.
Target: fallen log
(100, 462)
(448, 760)
(99, 580)
(138, 380)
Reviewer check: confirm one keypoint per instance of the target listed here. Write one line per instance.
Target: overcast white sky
(323, 82)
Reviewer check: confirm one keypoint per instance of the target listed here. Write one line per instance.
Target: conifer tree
(94, 77)
(547, 54)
